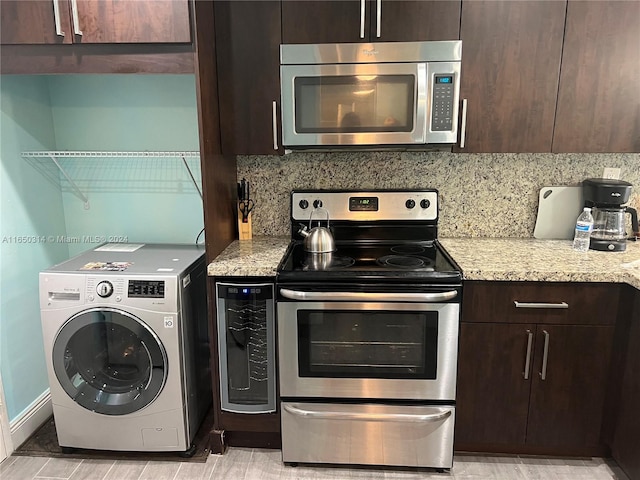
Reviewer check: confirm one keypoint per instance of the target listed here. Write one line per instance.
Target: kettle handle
(311, 215)
(634, 221)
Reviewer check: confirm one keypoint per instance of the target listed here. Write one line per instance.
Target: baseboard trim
(31, 419)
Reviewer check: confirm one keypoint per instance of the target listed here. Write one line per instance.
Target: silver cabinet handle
(369, 297)
(545, 356)
(540, 305)
(527, 361)
(56, 18)
(368, 417)
(362, 9)
(463, 127)
(76, 20)
(275, 125)
(378, 17)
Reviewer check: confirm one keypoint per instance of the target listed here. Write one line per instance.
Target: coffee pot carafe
(607, 197)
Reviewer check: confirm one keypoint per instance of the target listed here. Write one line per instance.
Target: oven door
(354, 104)
(404, 349)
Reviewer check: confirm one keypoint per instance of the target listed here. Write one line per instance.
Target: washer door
(109, 361)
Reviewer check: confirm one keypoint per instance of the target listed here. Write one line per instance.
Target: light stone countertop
(258, 257)
(542, 260)
(515, 259)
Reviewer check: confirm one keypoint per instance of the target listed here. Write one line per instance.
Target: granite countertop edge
(497, 259)
(257, 257)
(529, 259)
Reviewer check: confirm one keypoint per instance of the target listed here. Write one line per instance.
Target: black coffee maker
(607, 197)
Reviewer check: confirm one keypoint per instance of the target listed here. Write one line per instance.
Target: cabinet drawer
(540, 302)
(368, 434)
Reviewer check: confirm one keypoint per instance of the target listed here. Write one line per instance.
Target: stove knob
(611, 247)
(317, 203)
(304, 204)
(424, 203)
(104, 289)
(410, 203)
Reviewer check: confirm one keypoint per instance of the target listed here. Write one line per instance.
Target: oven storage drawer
(368, 434)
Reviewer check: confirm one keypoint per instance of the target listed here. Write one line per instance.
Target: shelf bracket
(195, 184)
(75, 188)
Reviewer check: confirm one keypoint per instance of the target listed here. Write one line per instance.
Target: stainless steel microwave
(370, 95)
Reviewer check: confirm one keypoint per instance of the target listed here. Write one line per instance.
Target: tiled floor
(257, 464)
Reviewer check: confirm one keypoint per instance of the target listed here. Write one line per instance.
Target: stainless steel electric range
(368, 333)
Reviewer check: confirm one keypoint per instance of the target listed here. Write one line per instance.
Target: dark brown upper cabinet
(43, 22)
(354, 21)
(511, 54)
(248, 62)
(598, 108)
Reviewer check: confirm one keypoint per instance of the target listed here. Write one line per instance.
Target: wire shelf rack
(78, 172)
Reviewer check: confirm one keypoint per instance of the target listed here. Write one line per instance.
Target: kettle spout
(303, 231)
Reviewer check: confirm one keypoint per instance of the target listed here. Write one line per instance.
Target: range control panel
(416, 205)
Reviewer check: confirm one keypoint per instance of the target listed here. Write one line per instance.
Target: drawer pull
(368, 417)
(527, 361)
(545, 356)
(540, 305)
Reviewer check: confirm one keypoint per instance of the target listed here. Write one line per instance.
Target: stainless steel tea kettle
(318, 239)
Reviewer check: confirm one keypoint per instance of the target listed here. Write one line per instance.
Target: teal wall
(141, 199)
(31, 207)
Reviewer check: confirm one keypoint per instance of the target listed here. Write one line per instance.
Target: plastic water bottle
(584, 226)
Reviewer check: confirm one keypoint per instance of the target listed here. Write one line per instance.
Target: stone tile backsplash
(481, 195)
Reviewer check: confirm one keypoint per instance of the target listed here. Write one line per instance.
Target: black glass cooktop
(424, 260)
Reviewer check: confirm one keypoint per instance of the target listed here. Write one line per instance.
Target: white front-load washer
(126, 343)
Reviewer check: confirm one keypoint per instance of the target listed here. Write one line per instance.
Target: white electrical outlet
(612, 173)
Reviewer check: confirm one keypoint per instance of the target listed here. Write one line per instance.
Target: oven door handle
(369, 296)
(368, 417)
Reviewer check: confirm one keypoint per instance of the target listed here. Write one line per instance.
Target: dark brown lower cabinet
(626, 440)
(531, 377)
(566, 407)
(493, 396)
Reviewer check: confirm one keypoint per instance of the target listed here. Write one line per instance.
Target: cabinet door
(493, 393)
(598, 109)
(349, 21)
(412, 21)
(567, 405)
(133, 21)
(34, 22)
(510, 69)
(626, 444)
(248, 60)
(319, 21)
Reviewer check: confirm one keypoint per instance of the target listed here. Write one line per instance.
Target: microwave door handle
(274, 120)
(362, 12)
(463, 127)
(369, 297)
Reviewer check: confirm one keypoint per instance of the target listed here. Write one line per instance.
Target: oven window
(366, 344)
(354, 104)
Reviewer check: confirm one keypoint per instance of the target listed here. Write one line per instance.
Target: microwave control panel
(442, 103)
